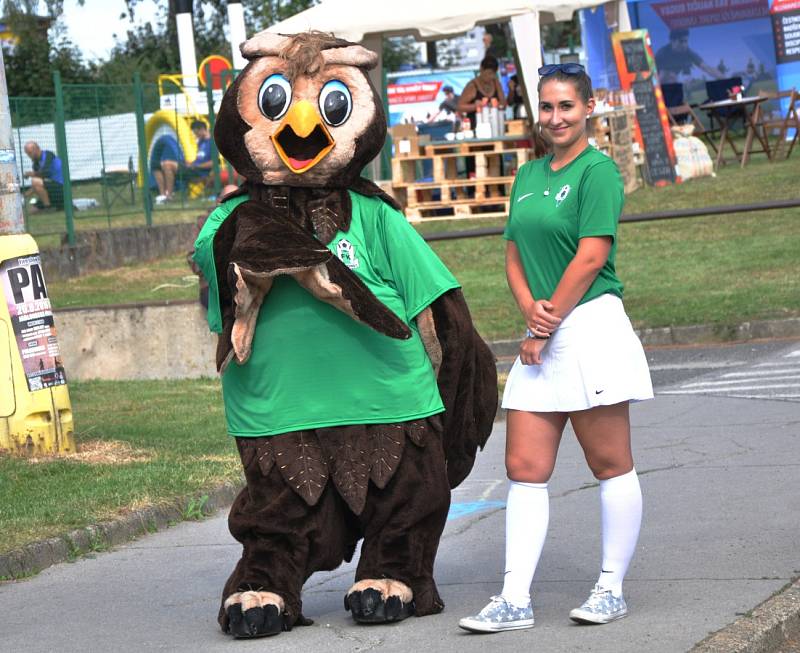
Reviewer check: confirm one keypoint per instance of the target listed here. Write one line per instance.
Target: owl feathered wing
(253, 246)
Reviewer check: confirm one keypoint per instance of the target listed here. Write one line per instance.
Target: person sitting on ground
(47, 180)
(201, 166)
(165, 159)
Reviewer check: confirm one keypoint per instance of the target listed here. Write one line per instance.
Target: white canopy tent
(368, 21)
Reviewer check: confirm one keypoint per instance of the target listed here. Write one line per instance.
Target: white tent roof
(425, 19)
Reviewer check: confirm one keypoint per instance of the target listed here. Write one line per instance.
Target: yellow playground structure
(182, 100)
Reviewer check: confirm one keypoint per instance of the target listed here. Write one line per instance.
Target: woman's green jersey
(585, 199)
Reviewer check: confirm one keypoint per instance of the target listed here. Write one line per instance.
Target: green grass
(176, 447)
(49, 227)
(166, 440)
(165, 279)
(722, 269)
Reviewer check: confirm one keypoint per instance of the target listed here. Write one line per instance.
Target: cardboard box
(406, 140)
(516, 128)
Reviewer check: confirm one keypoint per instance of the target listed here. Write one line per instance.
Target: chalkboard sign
(635, 56)
(659, 162)
(636, 66)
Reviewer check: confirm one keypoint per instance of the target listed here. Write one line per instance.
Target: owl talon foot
(369, 605)
(254, 614)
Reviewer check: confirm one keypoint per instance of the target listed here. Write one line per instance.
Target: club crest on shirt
(346, 253)
(562, 194)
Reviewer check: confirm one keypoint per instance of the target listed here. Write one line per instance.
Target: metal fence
(105, 136)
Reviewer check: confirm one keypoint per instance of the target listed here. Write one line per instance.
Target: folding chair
(115, 184)
(681, 113)
(782, 123)
(719, 89)
(673, 94)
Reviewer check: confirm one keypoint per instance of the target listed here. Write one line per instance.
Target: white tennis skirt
(594, 358)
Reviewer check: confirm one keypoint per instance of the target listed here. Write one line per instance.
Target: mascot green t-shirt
(318, 367)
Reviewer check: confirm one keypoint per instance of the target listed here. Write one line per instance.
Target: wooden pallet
(486, 164)
(456, 190)
(470, 147)
(488, 208)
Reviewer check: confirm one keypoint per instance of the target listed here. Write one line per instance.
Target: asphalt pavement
(718, 466)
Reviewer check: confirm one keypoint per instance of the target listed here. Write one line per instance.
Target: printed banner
(32, 321)
(786, 27)
(413, 92)
(780, 6)
(419, 97)
(699, 13)
(702, 46)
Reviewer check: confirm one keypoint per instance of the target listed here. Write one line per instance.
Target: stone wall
(143, 341)
(104, 250)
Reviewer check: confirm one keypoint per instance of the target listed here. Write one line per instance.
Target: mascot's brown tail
(467, 384)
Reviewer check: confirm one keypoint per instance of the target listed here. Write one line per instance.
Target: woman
(483, 90)
(581, 359)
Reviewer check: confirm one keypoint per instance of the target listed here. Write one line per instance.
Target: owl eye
(274, 96)
(335, 103)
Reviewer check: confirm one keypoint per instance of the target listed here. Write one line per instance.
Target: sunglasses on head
(566, 68)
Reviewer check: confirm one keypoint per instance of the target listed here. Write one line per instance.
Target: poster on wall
(32, 321)
(786, 27)
(425, 97)
(698, 41)
(637, 72)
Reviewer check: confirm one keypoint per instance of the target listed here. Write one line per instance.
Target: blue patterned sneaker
(497, 616)
(600, 608)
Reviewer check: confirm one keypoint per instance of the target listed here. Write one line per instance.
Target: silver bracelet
(530, 334)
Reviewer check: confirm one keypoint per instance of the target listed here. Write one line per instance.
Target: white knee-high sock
(527, 516)
(621, 506)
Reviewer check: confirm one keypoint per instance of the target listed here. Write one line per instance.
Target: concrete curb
(772, 626)
(692, 335)
(34, 557)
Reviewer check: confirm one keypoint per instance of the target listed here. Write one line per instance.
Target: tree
(258, 14)
(30, 62)
(144, 49)
(398, 51)
(562, 34)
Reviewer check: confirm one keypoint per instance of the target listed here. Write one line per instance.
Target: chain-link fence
(124, 155)
(112, 147)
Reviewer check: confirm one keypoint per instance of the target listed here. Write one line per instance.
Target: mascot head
(302, 112)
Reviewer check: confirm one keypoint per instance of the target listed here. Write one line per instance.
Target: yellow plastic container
(35, 411)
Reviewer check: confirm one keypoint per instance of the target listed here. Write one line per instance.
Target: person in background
(448, 107)
(581, 360)
(488, 48)
(514, 98)
(47, 180)
(483, 90)
(202, 163)
(676, 58)
(201, 220)
(165, 160)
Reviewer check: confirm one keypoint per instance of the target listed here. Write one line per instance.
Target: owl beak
(302, 140)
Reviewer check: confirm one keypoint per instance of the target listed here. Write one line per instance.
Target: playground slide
(169, 129)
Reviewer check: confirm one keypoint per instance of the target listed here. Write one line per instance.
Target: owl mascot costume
(354, 382)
